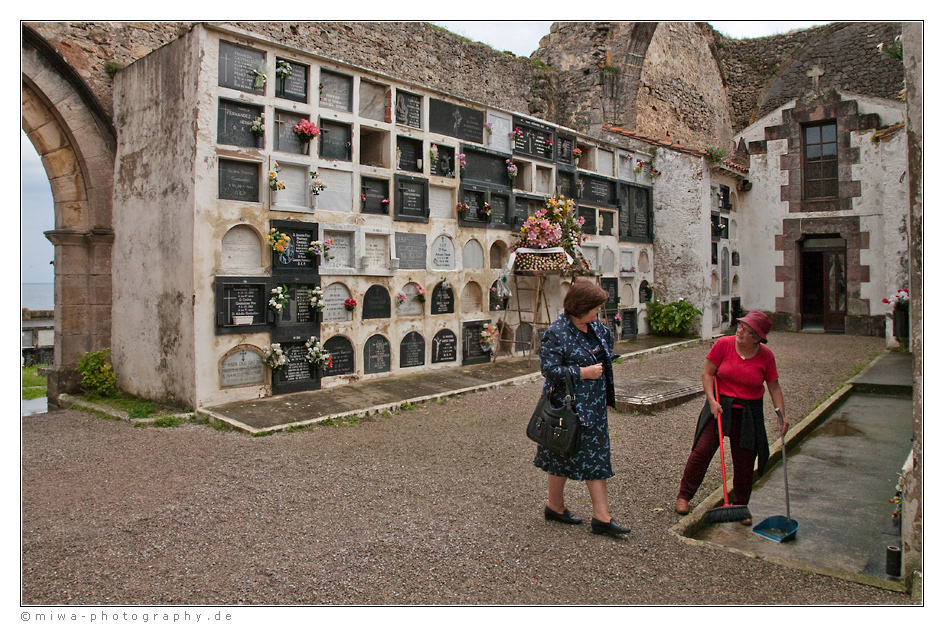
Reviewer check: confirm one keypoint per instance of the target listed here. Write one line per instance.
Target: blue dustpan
(780, 528)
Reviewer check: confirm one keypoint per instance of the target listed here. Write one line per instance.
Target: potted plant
(900, 308)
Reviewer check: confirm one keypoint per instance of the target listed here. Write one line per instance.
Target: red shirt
(742, 378)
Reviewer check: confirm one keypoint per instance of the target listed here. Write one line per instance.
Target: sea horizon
(37, 296)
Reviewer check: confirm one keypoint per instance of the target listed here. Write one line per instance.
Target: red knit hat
(759, 321)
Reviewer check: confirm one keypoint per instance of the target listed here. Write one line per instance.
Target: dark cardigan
(753, 431)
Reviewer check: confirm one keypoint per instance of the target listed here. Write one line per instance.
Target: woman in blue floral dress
(581, 346)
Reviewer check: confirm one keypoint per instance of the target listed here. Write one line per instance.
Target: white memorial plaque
(243, 367)
(592, 255)
(440, 202)
(443, 254)
(472, 255)
(545, 181)
(342, 249)
(643, 261)
(240, 248)
(375, 249)
(609, 261)
(334, 297)
(498, 139)
(410, 306)
(338, 195)
(471, 298)
(296, 192)
(627, 261)
(605, 162)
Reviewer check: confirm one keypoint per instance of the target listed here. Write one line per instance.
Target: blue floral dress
(565, 349)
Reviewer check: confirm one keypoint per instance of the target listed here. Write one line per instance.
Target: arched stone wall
(76, 143)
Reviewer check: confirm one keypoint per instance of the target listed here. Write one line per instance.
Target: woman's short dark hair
(583, 296)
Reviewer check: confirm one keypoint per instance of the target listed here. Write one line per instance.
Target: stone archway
(76, 142)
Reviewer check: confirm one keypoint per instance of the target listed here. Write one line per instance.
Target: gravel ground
(437, 505)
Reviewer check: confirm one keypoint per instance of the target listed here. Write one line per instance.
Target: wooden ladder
(530, 307)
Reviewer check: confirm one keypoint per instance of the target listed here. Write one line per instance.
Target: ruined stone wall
(415, 52)
(764, 73)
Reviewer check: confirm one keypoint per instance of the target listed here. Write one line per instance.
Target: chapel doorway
(823, 284)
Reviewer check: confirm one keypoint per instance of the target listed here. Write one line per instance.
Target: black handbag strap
(570, 387)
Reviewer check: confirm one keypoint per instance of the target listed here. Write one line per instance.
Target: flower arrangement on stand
(900, 315)
(319, 247)
(283, 69)
(350, 304)
(488, 337)
(554, 226)
(512, 169)
(278, 241)
(317, 186)
(273, 356)
(306, 131)
(274, 183)
(317, 355)
(258, 126)
(279, 298)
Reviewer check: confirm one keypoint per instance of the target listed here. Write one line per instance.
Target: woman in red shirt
(741, 365)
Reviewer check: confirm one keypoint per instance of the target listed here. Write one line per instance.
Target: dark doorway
(823, 284)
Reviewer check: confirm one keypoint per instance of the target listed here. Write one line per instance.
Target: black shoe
(567, 518)
(612, 528)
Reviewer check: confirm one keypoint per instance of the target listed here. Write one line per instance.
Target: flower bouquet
(400, 298)
(515, 134)
(898, 300)
(278, 241)
(488, 337)
(316, 298)
(258, 126)
(319, 247)
(283, 69)
(305, 131)
(273, 356)
(350, 304)
(274, 183)
(317, 355)
(420, 294)
(512, 169)
(279, 299)
(317, 186)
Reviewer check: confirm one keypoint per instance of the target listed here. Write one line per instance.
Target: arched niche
(409, 303)
(241, 251)
(736, 286)
(442, 254)
(342, 356)
(242, 366)
(644, 265)
(376, 303)
(725, 272)
(334, 297)
(627, 295)
(608, 262)
(497, 255)
(473, 255)
(471, 300)
(715, 284)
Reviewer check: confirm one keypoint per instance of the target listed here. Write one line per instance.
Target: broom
(727, 512)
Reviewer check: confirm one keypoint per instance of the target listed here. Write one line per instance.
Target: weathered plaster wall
(153, 330)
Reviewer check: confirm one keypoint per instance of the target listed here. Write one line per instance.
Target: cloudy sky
(517, 36)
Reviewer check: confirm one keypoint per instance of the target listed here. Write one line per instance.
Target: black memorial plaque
(298, 367)
(519, 213)
(565, 149)
(409, 109)
(285, 138)
(500, 214)
(298, 310)
(589, 215)
(456, 121)
(295, 86)
(241, 305)
(630, 326)
(640, 225)
(239, 180)
(486, 167)
(475, 199)
(412, 350)
(337, 91)
(373, 194)
(443, 347)
(377, 355)
(237, 66)
(443, 300)
(342, 356)
(411, 250)
(335, 141)
(234, 124)
(443, 163)
(410, 154)
(598, 190)
(611, 285)
(533, 139)
(376, 303)
(472, 351)
(296, 259)
(607, 219)
(411, 203)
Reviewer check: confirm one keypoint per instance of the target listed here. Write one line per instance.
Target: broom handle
(724, 474)
(783, 458)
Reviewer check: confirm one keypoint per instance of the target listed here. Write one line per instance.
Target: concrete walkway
(843, 465)
(362, 398)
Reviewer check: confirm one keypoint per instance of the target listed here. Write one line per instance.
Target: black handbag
(556, 427)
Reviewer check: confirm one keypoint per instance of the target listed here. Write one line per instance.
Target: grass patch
(34, 384)
(136, 408)
(340, 421)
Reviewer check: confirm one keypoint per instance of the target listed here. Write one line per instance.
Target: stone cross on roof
(815, 73)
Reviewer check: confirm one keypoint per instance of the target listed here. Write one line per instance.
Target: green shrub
(671, 319)
(97, 374)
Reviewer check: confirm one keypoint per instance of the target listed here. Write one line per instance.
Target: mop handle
(783, 458)
(724, 474)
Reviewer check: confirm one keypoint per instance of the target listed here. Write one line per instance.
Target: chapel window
(821, 163)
